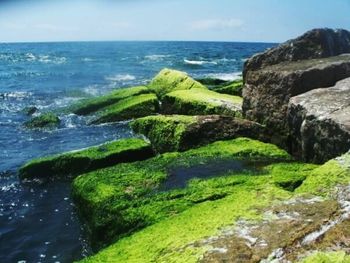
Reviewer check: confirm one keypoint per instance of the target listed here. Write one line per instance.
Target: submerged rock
(179, 132)
(201, 102)
(267, 91)
(170, 80)
(45, 120)
(89, 106)
(129, 108)
(81, 161)
(316, 43)
(320, 122)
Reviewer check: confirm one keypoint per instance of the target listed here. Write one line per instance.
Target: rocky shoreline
(223, 171)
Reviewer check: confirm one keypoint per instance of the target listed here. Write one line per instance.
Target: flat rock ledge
(320, 122)
(77, 162)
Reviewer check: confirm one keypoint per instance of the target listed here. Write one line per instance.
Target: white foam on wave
(225, 76)
(15, 95)
(199, 62)
(156, 57)
(120, 77)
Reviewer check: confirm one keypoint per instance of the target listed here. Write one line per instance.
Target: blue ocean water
(38, 222)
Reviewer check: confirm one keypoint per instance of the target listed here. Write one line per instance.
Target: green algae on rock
(201, 102)
(77, 162)
(181, 132)
(45, 120)
(169, 80)
(327, 257)
(89, 106)
(217, 226)
(119, 200)
(129, 108)
(234, 88)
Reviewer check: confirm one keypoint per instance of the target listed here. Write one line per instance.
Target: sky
(189, 20)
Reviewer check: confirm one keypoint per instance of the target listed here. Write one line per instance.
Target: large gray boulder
(267, 91)
(319, 121)
(316, 43)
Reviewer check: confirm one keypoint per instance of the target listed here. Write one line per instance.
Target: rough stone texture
(267, 91)
(179, 133)
(320, 122)
(316, 43)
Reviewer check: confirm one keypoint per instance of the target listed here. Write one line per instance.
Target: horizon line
(84, 41)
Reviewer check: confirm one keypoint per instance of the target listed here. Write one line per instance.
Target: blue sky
(214, 20)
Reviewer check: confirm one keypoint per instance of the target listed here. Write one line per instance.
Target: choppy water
(37, 221)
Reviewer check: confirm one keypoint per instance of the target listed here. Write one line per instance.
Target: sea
(38, 221)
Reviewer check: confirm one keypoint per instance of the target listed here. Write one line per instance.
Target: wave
(225, 76)
(15, 95)
(30, 57)
(199, 62)
(156, 57)
(121, 77)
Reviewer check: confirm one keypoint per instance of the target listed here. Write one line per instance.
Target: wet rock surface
(320, 122)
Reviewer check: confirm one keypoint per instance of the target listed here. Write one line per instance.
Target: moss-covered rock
(234, 88)
(129, 108)
(236, 209)
(119, 200)
(89, 106)
(182, 132)
(170, 80)
(201, 102)
(45, 120)
(77, 162)
(327, 257)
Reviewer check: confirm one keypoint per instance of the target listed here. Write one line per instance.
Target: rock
(212, 82)
(82, 161)
(89, 106)
(45, 120)
(170, 80)
(122, 199)
(317, 43)
(319, 121)
(30, 110)
(201, 102)
(267, 91)
(234, 88)
(129, 108)
(179, 132)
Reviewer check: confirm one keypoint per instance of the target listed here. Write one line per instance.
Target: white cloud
(216, 24)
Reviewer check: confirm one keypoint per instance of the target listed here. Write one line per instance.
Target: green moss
(89, 159)
(45, 120)
(327, 257)
(133, 107)
(132, 196)
(169, 80)
(201, 102)
(89, 106)
(235, 88)
(327, 176)
(290, 176)
(165, 132)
